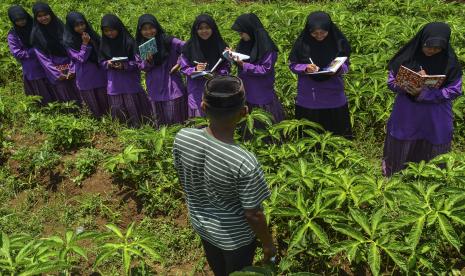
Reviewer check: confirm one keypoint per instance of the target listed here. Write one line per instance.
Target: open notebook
(332, 67)
(208, 73)
(407, 77)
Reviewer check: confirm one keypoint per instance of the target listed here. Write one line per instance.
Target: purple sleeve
(298, 68)
(47, 64)
(438, 95)
(130, 65)
(16, 47)
(391, 82)
(186, 67)
(82, 55)
(104, 64)
(224, 68)
(264, 67)
(143, 64)
(177, 44)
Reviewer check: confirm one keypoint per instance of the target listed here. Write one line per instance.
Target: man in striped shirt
(223, 183)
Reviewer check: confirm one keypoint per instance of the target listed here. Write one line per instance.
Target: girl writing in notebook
(117, 55)
(34, 79)
(201, 53)
(421, 122)
(321, 98)
(82, 44)
(166, 89)
(46, 38)
(257, 73)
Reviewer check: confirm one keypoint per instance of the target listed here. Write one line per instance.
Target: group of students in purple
(71, 62)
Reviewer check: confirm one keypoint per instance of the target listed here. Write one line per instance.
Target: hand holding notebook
(413, 82)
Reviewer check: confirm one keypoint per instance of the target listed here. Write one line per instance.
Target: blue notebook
(148, 48)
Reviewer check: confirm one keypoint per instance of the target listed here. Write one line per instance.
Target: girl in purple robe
(321, 98)
(201, 52)
(421, 122)
(166, 90)
(47, 38)
(258, 73)
(34, 79)
(82, 44)
(127, 98)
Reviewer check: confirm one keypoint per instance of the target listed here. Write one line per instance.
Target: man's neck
(222, 131)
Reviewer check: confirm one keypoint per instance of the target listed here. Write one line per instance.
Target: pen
(311, 60)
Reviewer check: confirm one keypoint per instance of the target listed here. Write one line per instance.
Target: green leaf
(361, 219)
(449, 231)
(374, 259)
(104, 255)
(80, 251)
(376, 219)
(129, 231)
(126, 261)
(349, 231)
(319, 232)
(415, 233)
(54, 239)
(397, 258)
(298, 236)
(151, 252)
(343, 246)
(115, 230)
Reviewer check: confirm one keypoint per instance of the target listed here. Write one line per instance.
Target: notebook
(148, 48)
(407, 77)
(332, 67)
(119, 59)
(208, 73)
(234, 55)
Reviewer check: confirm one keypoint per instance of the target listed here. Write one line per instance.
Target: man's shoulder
(186, 133)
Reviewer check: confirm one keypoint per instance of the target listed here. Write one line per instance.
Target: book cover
(148, 48)
(332, 67)
(406, 77)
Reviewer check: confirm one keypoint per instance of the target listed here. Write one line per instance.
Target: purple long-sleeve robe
(258, 79)
(50, 63)
(161, 85)
(195, 87)
(314, 94)
(32, 70)
(88, 74)
(125, 81)
(427, 117)
(65, 90)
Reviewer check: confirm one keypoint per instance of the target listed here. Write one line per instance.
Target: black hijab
(73, 40)
(123, 45)
(162, 39)
(435, 34)
(321, 52)
(260, 41)
(48, 38)
(210, 50)
(16, 12)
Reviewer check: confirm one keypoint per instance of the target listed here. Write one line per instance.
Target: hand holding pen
(312, 68)
(200, 66)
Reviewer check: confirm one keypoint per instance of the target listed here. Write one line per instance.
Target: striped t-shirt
(220, 181)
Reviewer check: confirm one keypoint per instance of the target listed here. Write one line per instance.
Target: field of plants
(80, 196)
